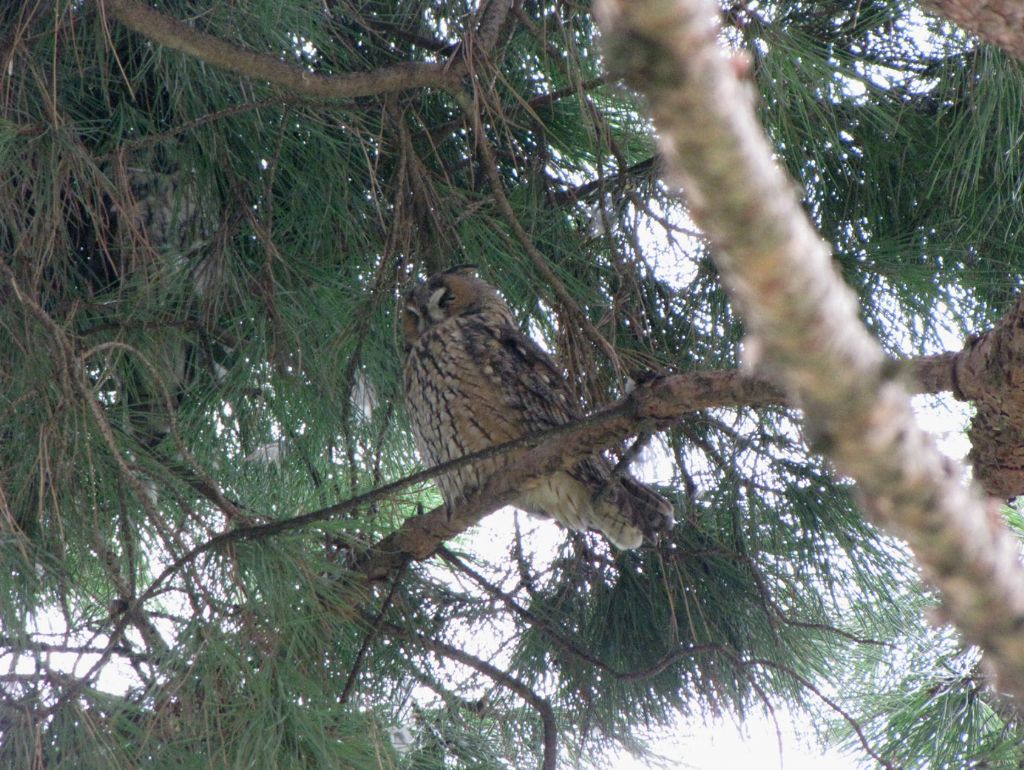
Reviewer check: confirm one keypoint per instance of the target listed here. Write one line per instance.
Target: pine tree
(209, 213)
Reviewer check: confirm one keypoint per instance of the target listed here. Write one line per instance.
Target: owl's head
(455, 292)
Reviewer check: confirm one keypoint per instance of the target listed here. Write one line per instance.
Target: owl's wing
(527, 379)
(532, 388)
(534, 396)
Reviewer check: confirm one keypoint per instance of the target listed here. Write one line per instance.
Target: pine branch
(804, 320)
(657, 404)
(690, 651)
(171, 33)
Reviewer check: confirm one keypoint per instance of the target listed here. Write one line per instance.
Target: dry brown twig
(803, 321)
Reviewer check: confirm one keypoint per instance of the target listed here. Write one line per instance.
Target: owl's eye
(439, 301)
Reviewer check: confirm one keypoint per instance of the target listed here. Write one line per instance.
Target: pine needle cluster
(200, 274)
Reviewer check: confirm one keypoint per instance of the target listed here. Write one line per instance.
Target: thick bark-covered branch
(655, 404)
(803, 320)
(664, 400)
(999, 22)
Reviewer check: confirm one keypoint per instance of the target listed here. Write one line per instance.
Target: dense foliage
(200, 278)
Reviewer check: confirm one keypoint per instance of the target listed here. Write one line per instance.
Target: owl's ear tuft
(410, 324)
(466, 271)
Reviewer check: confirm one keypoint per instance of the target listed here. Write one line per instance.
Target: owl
(473, 380)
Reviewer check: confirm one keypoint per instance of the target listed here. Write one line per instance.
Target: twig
(536, 102)
(832, 704)
(370, 636)
(779, 613)
(538, 260)
(565, 644)
(621, 179)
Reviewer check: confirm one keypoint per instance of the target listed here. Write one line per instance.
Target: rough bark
(803, 321)
(1000, 22)
(990, 372)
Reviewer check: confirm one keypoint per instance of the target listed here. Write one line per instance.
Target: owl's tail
(630, 511)
(621, 507)
(654, 514)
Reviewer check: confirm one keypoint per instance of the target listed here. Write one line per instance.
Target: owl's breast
(456, 400)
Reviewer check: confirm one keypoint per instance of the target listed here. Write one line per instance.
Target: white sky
(724, 746)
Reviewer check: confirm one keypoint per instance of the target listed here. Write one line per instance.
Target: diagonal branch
(803, 321)
(657, 403)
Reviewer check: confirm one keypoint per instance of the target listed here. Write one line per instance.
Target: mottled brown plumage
(472, 380)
